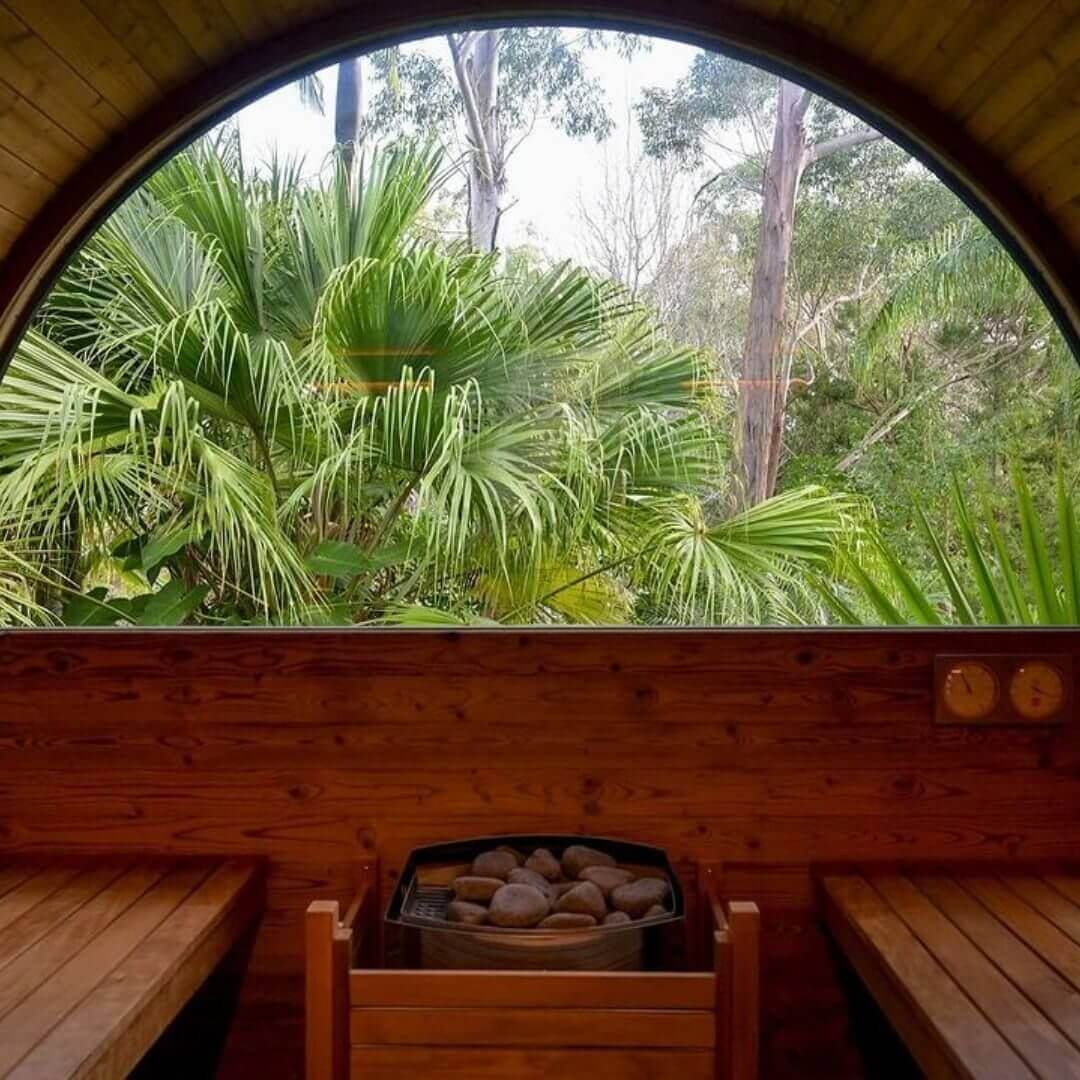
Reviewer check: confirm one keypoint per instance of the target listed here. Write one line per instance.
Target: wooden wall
(763, 749)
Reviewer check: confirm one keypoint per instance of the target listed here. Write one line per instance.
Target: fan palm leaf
(247, 380)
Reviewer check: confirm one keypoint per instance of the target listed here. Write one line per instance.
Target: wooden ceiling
(93, 92)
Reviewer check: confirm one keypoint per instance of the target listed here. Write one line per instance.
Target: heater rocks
(583, 888)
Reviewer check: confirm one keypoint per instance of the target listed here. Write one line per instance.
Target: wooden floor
(979, 974)
(97, 956)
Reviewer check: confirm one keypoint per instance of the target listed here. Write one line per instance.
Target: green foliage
(982, 582)
(721, 114)
(255, 400)
(542, 71)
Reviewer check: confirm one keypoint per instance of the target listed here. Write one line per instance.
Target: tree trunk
(349, 107)
(763, 381)
(485, 169)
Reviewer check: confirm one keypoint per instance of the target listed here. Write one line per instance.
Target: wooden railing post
(717, 942)
(327, 950)
(369, 949)
(744, 924)
(722, 968)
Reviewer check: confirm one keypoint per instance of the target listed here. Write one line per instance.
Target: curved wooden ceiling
(93, 92)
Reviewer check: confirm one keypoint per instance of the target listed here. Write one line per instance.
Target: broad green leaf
(173, 604)
(339, 559)
(165, 544)
(89, 609)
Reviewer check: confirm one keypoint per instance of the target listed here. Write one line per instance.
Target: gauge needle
(966, 683)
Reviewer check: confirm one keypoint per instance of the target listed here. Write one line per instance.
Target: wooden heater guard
(364, 1020)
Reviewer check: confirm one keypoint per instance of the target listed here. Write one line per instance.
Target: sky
(547, 175)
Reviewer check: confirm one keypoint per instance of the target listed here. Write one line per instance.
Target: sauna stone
(477, 889)
(606, 878)
(567, 920)
(518, 906)
(544, 863)
(584, 898)
(520, 890)
(461, 911)
(524, 876)
(638, 896)
(494, 864)
(577, 856)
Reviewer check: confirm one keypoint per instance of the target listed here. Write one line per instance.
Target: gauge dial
(970, 690)
(1037, 690)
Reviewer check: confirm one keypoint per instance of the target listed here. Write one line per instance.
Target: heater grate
(429, 901)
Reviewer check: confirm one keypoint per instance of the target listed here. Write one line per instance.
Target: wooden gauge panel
(989, 688)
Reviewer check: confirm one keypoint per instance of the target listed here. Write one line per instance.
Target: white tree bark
(476, 67)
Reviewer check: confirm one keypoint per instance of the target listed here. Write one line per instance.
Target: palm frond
(984, 567)
(309, 89)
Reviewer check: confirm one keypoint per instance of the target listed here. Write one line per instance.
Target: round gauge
(970, 690)
(1037, 690)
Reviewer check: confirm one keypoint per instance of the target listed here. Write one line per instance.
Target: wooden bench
(978, 972)
(98, 955)
(366, 1021)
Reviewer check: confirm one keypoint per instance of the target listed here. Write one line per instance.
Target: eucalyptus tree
(494, 84)
(253, 399)
(763, 136)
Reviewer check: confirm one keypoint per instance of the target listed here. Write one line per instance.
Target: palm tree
(252, 399)
(348, 103)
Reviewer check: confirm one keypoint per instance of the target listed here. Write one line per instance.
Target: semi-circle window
(540, 325)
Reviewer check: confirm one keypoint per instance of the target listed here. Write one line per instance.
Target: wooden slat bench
(371, 1023)
(98, 955)
(978, 972)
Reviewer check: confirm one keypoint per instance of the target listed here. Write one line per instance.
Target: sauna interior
(872, 886)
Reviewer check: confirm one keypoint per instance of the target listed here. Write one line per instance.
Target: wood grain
(534, 989)
(380, 1063)
(1043, 1047)
(1042, 985)
(568, 1027)
(108, 1032)
(110, 952)
(945, 1031)
(766, 751)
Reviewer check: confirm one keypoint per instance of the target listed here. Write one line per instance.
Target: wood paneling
(763, 750)
(983, 87)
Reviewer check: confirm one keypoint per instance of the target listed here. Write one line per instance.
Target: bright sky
(546, 174)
